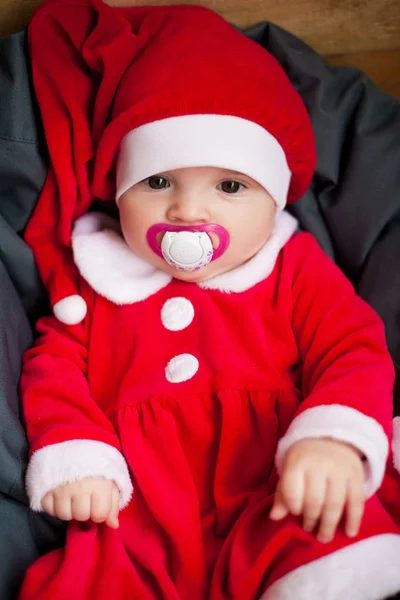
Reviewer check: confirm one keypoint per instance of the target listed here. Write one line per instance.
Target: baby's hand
(321, 477)
(94, 498)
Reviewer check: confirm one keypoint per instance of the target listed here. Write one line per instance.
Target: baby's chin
(191, 276)
(208, 272)
(213, 269)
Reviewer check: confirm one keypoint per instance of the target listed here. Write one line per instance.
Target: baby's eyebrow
(234, 174)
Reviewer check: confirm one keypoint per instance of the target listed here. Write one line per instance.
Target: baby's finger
(112, 519)
(48, 504)
(292, 489)
(355, 507)
(101, 505)
(278, 510)
(62, 506)
(332, 510)
(80, 507)
(314, 497)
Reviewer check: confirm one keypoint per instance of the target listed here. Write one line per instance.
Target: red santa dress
(192, 393)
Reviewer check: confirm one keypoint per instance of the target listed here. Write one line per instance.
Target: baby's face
(199, 196)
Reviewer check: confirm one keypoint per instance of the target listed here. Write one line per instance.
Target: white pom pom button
(181, 368)
(177, 314)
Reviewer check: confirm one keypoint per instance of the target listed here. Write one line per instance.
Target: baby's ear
(396, 443)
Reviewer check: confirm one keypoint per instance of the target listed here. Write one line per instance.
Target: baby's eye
(156, 182)
(230, 186)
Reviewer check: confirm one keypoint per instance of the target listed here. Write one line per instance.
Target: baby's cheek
(138, 246)
(245, 247)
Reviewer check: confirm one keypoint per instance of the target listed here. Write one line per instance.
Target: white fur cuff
(70, 461)
(343, 424)
(369, 569)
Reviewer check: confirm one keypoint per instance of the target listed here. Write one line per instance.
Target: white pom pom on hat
(70, 310)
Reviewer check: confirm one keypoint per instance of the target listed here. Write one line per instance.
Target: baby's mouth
(214, 240)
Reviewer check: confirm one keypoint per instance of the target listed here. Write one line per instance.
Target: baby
(201, 347)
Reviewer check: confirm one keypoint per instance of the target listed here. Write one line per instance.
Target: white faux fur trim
(344, 424)
(107, 263)
(70, 461)
(70, 310)
(110, 267)
(223, 141)
(261, 265)
(396, 443)
(365, 570)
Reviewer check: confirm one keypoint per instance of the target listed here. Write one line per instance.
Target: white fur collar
(106, 262)
(261, 265)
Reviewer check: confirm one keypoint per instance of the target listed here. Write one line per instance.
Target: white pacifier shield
(187, 250)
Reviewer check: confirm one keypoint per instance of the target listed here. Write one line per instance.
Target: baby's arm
(69, 435)
(343, 426)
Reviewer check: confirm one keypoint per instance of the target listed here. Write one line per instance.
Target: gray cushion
(24, 535)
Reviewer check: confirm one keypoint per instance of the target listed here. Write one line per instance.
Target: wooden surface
(382, 66)
(362, 33)
(330, 26)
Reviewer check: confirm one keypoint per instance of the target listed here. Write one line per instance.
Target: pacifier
(188, 248)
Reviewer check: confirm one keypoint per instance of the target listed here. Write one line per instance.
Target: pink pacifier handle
(221, 232)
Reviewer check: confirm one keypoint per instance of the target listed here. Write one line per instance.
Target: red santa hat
(126, 93)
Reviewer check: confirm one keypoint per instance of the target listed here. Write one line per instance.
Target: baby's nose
(190, 209)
